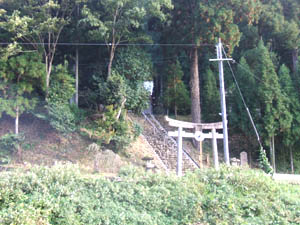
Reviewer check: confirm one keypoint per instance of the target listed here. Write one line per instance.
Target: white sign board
(148, 85)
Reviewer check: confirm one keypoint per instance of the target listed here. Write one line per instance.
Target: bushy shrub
(113, 131)
(62, 85)
(135, 66)
(138, 98)
(112, 91)
(264, 163)
(137, 129)
(61, 117)
(8, 144)
(62, 195)
(61, 114)
(79, 114)
(240, 196)
(111, 126)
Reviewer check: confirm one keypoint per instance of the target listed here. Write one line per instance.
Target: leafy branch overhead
(119, 21)
(39, 24)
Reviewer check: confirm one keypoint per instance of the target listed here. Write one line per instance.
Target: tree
(279, 26)
(202, 23)
(60, 114)
(135, 66)
(39, 24)
(291, 135)
(20, 76)
(247, 81)
(211, 98)
(120, 21)
(272, 105)
(176, 95)
(291, 11)
(238, 116)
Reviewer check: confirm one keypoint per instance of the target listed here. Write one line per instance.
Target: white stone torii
(198, 135)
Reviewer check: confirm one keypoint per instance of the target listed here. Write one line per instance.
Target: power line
(244, 102)
(106, 44)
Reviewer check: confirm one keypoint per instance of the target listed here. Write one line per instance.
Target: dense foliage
(60, 114)
(113, 46)
(63, 195)
(8, 145)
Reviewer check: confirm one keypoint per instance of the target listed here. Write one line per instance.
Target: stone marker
(235, 162)
(244, 159)
(108, 162)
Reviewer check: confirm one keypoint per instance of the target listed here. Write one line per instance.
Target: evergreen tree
(204, 22)
(275, 114)
(291, 135)
(176, 96)
(211, 98)
(20, 76)
(279, 27)
(246, 80)
(272, 104)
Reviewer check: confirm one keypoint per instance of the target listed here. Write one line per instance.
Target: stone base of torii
(199, 135)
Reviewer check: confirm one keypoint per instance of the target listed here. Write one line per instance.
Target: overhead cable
(105, 44)
(244, 102)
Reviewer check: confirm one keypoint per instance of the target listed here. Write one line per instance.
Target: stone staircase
(164, 146)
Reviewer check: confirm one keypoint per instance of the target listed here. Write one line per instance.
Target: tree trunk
(195, 96)
(292, 160)
(274, 155)
(295, 60)
(195, 88)
(17, 121)
(46, 70)
(161, 86)
(76, 75)
(48, 63)
(111, 58)
(272, 150)
(175, 106)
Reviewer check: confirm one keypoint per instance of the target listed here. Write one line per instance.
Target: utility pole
(220, 60)
(77, 61)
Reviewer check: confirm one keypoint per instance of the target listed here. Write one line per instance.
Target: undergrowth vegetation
(8, 145)
(64, 195)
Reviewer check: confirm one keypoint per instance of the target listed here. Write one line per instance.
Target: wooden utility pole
(77, 62)
(76, 76)
(220, 59)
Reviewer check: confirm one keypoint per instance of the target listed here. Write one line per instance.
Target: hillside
(43, 145)
(55, 181)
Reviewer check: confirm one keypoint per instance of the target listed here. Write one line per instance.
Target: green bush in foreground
(63, 195)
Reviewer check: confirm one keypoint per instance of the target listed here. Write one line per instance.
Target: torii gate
(198, 135)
